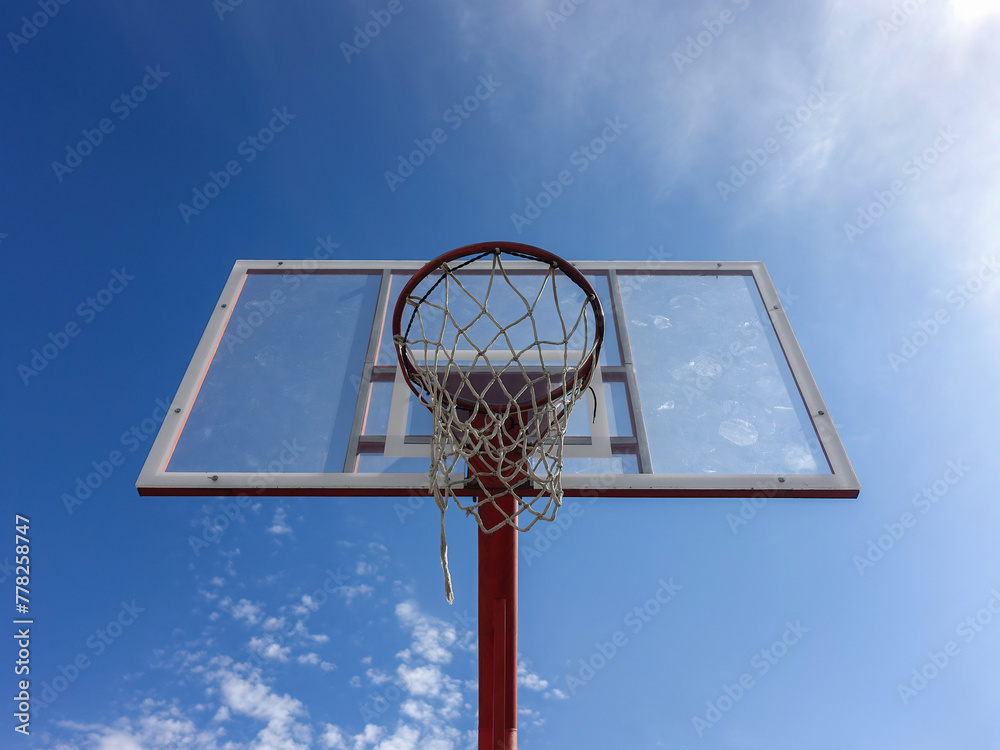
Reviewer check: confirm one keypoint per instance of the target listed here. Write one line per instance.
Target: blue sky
(852, 146)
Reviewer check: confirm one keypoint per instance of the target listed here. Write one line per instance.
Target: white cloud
(315, 660)
(269, 649)
(404, 738)
(892, 85)
(530, 680)
(427, 705)
(172, 730)
(428, 682)
(431, 637)
(351, 592)
(377, 677)
(308, 605)
(249, 696)
(419, 710)
(244, 609)
(369, 736)
(527, 715)
(159, 726)
(424, 680)
(973, 11)
(238, 694)
(301, 630)
(332, 738)
(115, 739)
(278, 525)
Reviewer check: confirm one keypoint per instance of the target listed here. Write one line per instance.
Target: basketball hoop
(499, 356)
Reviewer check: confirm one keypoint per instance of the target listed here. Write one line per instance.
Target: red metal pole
(498, 629)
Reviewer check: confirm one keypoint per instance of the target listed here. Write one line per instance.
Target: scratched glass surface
(717, 393)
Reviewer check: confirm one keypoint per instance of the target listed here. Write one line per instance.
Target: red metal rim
(528, 252)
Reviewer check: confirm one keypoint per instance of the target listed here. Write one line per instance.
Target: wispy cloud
(269, 649)
(278, 525)
(350, 593)
(432, 638)
(157, 726)
(528, 679)
(425, 713)
(244, 609)
(243, 692)
(314, 659)
(377, 677)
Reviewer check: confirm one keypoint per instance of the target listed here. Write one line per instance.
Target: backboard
(701, 390)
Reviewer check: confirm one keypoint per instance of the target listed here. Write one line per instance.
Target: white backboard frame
(841, 482)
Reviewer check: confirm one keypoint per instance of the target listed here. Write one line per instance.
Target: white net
(499, 357)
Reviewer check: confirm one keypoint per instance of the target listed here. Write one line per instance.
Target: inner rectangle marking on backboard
(399, 443)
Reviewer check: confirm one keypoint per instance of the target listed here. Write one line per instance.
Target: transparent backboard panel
(701, 388)
(717, 392)
(281, 391)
